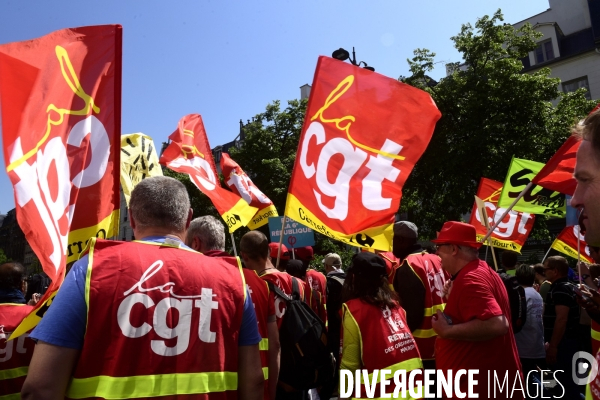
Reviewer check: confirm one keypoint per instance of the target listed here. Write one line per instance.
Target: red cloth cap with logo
(458, 233)
(285, 253)
(304, 253)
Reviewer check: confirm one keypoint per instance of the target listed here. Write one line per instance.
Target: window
(574, 84)
(544, 51)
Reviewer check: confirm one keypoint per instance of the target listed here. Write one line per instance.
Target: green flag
(536, 200)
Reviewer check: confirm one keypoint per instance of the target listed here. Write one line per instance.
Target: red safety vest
(284, 282)
(259, 292)
(161, 322)
(15, 355)
(317, 281)
(391, 264)
(593, 388)
(428, 268)
(385, 341)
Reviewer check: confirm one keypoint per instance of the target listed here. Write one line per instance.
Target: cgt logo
(584, 368)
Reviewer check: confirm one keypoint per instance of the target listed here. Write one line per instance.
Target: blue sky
(226, 60)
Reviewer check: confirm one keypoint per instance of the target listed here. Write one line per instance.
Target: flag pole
(280, 240)
(548, 252)
(493, 255)
(579, 254)
(233, 243)
(487, 235)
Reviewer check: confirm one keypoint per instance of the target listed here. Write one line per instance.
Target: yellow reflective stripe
(408, 365)
(595, 335)
(88, 276)
(109, 387)
(266, 372)
(432, 310)
(424, 333)
(13, 373)
(263, 344)
(14, 396)
(588, 392)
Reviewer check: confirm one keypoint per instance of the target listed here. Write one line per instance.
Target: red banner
(362, 135)
(60, 99)
(239, 183)
(512, 232)
(189, 152)
(566, 243)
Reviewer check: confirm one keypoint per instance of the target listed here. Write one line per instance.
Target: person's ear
(131, 220)
(196, 243)
(189, 220)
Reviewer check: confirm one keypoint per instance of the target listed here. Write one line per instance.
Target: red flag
(60, 99)
(189, 152)
(362, 135)
(566, 243)
(512, 232)
(239, 183)
(557, 174)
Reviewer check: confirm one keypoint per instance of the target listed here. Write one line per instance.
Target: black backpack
(517, 300)
(305, 361)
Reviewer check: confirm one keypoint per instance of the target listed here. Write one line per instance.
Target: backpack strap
(278, 291)
(296, 290)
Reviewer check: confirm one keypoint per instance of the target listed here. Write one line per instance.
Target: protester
(561, 323)
(284, 256)
(37, 286)
(255, 251)
(313, 278)
(335, 282)
(509, 260)
(104, 335)
(297, 269)
(419, 281)
(540, 279)
(372, 322)
(207, 235)
(474, 331)
(530, 340)
(15, 355)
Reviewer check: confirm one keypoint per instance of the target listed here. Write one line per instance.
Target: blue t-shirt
(65, 321)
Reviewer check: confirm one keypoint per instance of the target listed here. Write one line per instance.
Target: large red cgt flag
(60, 101)
(557, 174)
(189, 152)
(239, 182)
(510, 233)
(362, 135)
(566, 243)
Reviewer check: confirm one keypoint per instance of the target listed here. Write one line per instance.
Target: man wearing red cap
(284, 256)
(474, 331)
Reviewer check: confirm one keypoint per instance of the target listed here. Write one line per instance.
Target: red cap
(285, 253)
(459, 233)
(304, 253)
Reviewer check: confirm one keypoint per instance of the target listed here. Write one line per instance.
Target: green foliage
(491, 111)
(3, 257)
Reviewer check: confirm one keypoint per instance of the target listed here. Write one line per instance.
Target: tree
(491, 111)
(3, 257)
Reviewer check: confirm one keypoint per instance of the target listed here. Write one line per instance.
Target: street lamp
(343, 55)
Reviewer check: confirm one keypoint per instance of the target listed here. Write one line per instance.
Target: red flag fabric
(362, 135)
(566, 243)
(512, 232)
(189, 152)
(239, 183)
(60, 100)
(557, 174)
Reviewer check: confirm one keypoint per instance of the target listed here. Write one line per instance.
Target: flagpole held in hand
(233, 243)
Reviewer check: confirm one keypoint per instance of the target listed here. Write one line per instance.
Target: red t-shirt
(283, 281)
(478, 292)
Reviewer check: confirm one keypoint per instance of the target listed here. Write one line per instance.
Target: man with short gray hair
(206, 234)
(112, 332)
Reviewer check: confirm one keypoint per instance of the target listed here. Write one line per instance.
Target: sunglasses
(438, 246)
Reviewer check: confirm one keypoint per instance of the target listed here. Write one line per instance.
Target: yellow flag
(138, 161)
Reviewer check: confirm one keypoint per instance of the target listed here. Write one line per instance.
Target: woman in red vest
(375, 332)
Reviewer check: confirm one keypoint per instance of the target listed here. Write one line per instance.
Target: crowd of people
(172, 314)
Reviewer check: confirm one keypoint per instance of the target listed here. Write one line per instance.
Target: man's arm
(560, 326)
(473, 330)
(274, 357)
(250, 374)
(412, 295)
(49, 372)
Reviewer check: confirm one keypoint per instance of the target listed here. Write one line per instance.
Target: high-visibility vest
(595, 337)
(161, 321)
(592, 391)
(428, 267)
(259, 292)
(15, 354)
(385, 341)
